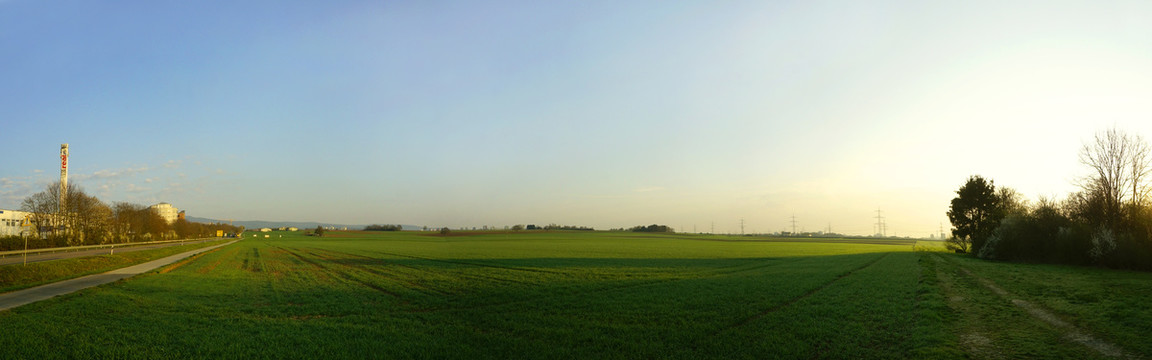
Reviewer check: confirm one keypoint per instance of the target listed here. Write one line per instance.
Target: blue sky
(604, 114)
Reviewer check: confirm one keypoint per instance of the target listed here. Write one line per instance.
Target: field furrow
(806, 294)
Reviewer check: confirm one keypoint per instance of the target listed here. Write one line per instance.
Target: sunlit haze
(593, 113)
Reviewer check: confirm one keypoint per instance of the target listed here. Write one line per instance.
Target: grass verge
(18, 276)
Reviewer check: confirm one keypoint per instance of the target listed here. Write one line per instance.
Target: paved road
(42, 292)
(19, 259)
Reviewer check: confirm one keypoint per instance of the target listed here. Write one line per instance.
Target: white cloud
(133, 188)
(14, 190)
(111, 173)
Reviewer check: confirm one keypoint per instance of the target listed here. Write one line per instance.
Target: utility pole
(741, 226)
(793, 224)
(880, 226)
(713, 231)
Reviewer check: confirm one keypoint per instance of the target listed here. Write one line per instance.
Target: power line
(793, 224)
(881, 226)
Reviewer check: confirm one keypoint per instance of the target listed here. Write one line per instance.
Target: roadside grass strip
(31, 295)
(16, 276)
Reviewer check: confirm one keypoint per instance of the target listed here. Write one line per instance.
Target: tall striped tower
(63, 175)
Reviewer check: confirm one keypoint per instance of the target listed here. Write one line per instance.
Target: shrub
(1103, 242)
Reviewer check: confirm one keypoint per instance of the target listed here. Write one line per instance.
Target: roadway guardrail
(112, 247)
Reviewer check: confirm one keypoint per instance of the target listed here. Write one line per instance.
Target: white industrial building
(10, 222)
(166, 211)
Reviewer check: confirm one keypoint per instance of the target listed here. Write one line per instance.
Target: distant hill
(256, 224)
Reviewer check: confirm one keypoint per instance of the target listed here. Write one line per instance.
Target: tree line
(1108, 221)
(377, 227)
(650, 228)
(520, 227)
(82, 219)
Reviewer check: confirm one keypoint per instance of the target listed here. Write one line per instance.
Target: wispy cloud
(172, 164)
(111, 173)
(14, 190)
(136, 189)
(649, 189)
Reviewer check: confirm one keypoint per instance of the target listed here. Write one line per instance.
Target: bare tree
(1120, 173)
(79, 217)
(88, 218)
(1139, 170)
(125, 221)
(43, 206)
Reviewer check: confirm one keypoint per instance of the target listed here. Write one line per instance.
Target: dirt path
(981, 346)
(30, 295)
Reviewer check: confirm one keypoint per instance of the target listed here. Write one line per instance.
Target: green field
(590, 295)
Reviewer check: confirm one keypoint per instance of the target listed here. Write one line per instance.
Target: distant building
(265, 229)
(293, 229)
(167, 212)
(10, 221)
(180, 215)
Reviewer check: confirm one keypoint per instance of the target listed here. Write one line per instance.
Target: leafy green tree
(974, 213)
(319, 230)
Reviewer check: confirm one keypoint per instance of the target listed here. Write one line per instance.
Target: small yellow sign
(219, 233)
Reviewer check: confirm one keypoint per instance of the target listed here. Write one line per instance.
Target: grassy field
(590, 295)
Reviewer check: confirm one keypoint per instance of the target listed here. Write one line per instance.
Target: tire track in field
(974, 340)
(1070, 332)
(512, 302)
(410, 267)
(457, 262)
(340, 274)
(637, 284)
(797, 299)
(730, 270)
(231, 252)
(186, 261)
(416, 286)
(753, 264)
